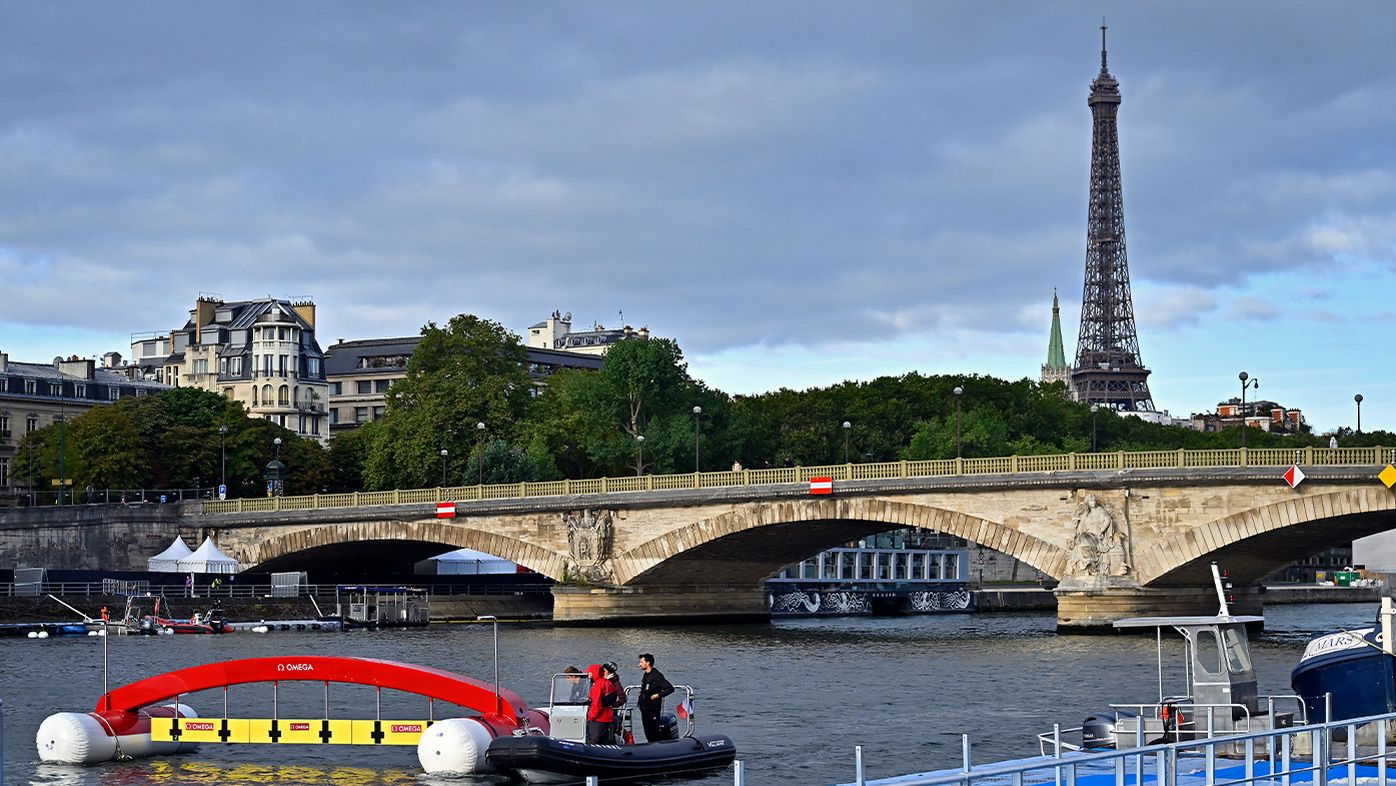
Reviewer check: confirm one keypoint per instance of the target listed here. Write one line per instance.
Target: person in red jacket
(601, 714)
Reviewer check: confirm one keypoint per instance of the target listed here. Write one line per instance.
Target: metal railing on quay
(232, 589)
(1272, 756)
(891, 470)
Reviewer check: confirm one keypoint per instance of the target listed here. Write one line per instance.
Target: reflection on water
(796, 696)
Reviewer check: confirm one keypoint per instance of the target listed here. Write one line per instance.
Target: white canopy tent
(469, 562)
(208, 559)
(167, 561)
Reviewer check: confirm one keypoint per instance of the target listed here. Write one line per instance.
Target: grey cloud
(787, 173)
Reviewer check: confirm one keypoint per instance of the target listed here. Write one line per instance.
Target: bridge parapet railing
(1002, 465)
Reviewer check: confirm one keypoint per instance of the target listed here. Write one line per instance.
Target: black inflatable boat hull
(539, 759)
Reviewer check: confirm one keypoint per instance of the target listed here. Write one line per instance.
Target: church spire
(1056, 369)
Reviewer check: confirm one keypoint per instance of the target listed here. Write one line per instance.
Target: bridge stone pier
(1121, 542)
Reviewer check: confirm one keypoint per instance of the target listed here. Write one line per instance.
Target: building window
(281, 365)
(4, 472)
(315, 426)
(360, 414)
(266, 395)
(365, 386)
(301, 429)
(283, 397)
(334, 416)
(336, 388)
(377, 413)
(55, 388)
(31, 423)
(201, 366)
(313, 364)
(228, 393)
(80, 391)
(235, 366)
(30, 387)
(4, 426)
(381, 385)
(266, 365)
(113, 392)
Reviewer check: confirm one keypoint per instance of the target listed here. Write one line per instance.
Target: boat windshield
(1237, 657)
(571, 688)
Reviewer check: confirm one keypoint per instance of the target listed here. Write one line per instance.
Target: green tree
(471, 371)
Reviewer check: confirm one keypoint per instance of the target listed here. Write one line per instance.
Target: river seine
(796, 696)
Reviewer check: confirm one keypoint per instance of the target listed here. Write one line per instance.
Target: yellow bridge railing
(1008, 465)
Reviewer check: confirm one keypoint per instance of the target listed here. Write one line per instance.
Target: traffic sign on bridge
(1388, 476)
(1294, 476)
(445, 510)
(821, 485)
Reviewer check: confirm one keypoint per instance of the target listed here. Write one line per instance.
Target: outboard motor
(1098, 730)
(668, 727)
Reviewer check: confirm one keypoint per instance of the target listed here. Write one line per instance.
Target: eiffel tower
(1108, 370)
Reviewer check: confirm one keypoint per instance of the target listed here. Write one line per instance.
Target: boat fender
(89, 738)
(455, 745)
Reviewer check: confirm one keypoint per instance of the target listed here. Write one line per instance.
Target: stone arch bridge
(1121, 543)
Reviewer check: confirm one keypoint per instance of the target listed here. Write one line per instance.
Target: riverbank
(447, 608)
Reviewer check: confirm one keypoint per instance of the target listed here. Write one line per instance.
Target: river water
(796, 696)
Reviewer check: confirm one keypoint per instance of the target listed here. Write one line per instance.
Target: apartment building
(260, 352)
(36, 395)
(556, 332)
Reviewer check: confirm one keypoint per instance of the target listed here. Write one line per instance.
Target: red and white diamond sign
(445, 510)
(1294, 476)
(821, 485)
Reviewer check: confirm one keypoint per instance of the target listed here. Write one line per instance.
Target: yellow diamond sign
(1388, 476)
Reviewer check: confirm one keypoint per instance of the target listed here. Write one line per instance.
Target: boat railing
(1054, 739)
(690, 723)
(1259, 758)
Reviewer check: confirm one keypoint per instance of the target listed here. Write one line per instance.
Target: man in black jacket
(653, 689)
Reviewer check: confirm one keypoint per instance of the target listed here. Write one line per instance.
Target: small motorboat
(1221, 696)
(562, 755)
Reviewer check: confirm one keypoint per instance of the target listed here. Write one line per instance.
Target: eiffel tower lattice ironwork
(1108, 369)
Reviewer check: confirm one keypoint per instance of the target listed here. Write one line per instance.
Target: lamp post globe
(223, 456)
(640, 454)
(444, 453)
(1094, 409)
(847, 427)
(1246, 382)
(1357, 399)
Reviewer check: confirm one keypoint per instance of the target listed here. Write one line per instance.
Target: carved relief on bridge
(590, 537)
(1100, 550)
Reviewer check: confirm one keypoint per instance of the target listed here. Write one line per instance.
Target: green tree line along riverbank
(588, 424)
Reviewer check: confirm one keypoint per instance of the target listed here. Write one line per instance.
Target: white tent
(469, 562)
(208, 559)
(167, 561)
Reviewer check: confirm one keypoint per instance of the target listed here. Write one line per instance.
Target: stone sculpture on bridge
(590, 534)
(1101, 545)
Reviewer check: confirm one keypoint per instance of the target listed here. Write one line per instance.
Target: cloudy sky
(800, 192)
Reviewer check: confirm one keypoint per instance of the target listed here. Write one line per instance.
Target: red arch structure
(504, 705)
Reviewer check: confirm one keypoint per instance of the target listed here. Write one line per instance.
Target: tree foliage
(469, 372)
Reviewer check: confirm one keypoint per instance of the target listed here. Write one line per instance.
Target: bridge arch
(744, 546)
(1254, 543)
(407, 541)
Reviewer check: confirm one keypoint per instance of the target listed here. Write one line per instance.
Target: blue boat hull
(1359, 676)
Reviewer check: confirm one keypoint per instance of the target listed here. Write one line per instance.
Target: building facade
(1264, 415)
(556, 332)
(360, 373)
(37, 395)
(260, 352)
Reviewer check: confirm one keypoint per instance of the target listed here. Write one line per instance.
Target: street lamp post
(697, 418)
(847, 427)
(1094, 409)
(640, 458)
(1358, 400)
(480, 434)
(223, 457)
(444, 453)
(958, 391)
(276, 471)
(1254, 384)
